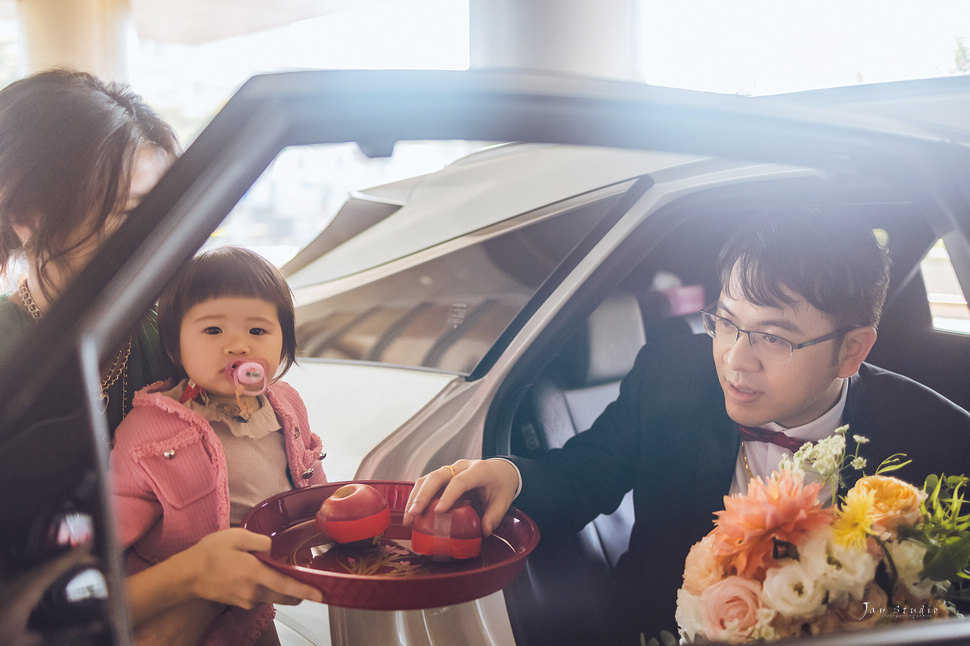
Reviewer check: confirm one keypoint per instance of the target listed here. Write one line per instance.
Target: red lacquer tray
(387, 576)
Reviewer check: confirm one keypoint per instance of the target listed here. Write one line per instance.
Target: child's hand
(225, 570)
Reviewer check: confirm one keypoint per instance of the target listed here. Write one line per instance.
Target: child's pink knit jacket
(170, 486)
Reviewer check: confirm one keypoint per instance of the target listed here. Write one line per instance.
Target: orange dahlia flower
(783, 508)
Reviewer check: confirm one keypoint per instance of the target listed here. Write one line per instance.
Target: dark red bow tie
(764, 435)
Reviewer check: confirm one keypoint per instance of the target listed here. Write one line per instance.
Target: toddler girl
(198, 452)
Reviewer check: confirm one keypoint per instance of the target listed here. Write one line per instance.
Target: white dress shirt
(764, 457)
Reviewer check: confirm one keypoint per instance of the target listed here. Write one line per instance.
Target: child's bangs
(230, 276)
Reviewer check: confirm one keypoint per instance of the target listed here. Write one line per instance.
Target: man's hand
(226, 571)
(496, 481)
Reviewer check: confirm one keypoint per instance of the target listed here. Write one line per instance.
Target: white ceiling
(198, 21)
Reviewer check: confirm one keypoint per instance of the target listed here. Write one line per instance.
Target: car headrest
(608, 345)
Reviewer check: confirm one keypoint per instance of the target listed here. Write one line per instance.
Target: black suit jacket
(668, 437)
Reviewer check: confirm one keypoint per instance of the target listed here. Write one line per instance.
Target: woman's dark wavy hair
(225, 272)
(67, 149)
(832, 260)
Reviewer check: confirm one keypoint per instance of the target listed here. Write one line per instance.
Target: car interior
(567, 580)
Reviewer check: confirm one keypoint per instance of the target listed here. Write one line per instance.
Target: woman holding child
(76, 156)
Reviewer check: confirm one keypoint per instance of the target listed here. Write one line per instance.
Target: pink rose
(730, 608)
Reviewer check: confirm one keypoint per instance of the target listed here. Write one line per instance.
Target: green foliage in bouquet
(945, 533)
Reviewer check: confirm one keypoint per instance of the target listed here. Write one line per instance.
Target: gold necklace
(744, 455)
(28, 300)
(119, 365)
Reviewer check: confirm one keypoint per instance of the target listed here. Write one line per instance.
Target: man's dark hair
(833, 261)
(225, 272)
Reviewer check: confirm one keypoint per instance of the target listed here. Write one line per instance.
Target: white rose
(840, 569)
(689, 615)
(908, 557)
(793, 591)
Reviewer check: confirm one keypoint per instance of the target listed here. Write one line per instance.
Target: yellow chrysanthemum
(854, 520)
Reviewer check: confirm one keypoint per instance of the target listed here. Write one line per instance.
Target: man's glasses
(768, 347)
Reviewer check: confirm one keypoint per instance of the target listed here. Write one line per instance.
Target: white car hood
(478, 191)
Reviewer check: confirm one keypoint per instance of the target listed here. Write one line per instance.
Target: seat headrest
(608, 345)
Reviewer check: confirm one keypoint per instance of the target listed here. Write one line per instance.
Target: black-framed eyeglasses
(770, 347)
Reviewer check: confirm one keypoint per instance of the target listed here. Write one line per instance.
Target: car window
(446, 313)
(306, 187)
(948, 303)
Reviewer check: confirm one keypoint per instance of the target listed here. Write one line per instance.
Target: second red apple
(456, 533)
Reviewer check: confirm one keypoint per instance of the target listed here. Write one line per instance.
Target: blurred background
(187, 57)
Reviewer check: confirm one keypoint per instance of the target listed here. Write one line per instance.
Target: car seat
(585, 379)
(566, 593)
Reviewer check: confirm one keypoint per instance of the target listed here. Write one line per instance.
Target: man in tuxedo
(800, 301)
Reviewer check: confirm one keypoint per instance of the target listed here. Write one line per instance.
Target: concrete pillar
(91, 35)
(596, 38)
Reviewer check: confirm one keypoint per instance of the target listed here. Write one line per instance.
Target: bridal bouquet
(780, 564)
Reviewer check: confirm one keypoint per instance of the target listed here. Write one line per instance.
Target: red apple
(456, 533)
(354, 512)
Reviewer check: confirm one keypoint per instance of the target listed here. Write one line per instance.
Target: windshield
(761, 47)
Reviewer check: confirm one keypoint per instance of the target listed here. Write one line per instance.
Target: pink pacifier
(249, 377)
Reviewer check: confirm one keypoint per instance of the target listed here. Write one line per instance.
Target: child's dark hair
(831, 260)
(225, 272)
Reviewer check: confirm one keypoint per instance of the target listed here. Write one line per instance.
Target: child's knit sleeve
(136, 507)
